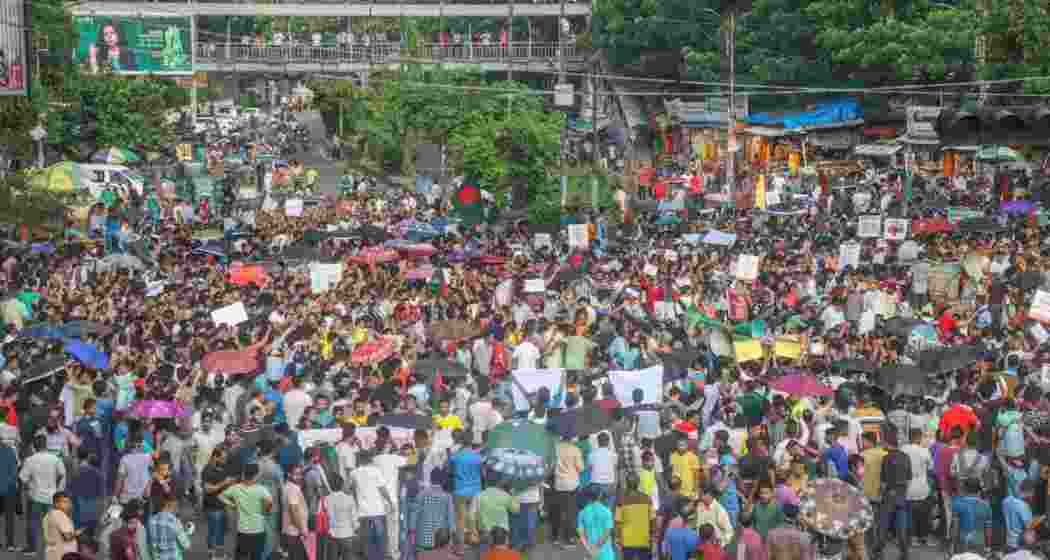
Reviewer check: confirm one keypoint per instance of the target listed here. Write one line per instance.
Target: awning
(877, 150)
(770, 132)
(919, 141)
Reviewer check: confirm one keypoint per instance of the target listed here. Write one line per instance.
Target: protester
(60, 537)
(251, 502)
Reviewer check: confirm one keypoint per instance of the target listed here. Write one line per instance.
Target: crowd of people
(680, 406)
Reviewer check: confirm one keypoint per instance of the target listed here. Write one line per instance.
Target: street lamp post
(38, 134)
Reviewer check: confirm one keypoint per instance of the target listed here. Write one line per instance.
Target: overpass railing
(384, 52)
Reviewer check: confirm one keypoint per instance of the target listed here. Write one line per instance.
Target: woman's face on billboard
(109, 35)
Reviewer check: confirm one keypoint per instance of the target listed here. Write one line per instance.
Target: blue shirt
(596, 522)
(290, 454)
(836, 456)
(1018, 515)
(679, 542)
(466, 473)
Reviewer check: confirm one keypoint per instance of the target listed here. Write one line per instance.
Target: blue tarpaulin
(827, 113)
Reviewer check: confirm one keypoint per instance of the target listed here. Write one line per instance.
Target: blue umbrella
(516, 464)
(86, 354)
(41, 331)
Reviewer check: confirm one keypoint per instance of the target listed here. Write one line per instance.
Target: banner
(531, 380)
(233, 314)
(325, 276)
(787, 348)
(748, 350)
(12, 49)
(650, 381)
(134, 44)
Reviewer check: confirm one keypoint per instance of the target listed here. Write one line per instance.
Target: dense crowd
(673, 403)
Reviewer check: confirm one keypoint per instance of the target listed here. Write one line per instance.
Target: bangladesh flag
(467, 201)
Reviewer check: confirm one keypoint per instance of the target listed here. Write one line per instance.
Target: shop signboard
(148, 44)
(12, 49)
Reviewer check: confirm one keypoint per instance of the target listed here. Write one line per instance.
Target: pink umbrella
(417, 250)
(159, 409)
(801, 385)
(372, 255)
(421, 273)
(235, 362)
(372, 352)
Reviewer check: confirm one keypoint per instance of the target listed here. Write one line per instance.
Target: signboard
(563, 94)
(869, 226)
(896, 229)
(134, 45)
(12, 49)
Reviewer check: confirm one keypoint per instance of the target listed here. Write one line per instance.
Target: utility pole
(731, 111)
(561, 80)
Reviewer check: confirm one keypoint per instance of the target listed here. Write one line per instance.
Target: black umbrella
(902, 380)
(446, 368)
(944, 360)
(44, 369)
(301, 252)
(582, 421)
(408, 421)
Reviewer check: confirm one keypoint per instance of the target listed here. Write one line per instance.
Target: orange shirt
(501, 553)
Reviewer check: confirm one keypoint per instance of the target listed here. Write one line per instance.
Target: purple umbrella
(1017, 207)
(160, 409)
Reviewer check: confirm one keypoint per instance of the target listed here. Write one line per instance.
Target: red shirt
(711, 551)
(660, 190)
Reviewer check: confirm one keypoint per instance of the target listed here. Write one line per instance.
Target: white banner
(869, 226)
(541, 240)
(534, 286)
(1040, 310)
(747, 267)
(232, 315)
(650, 381)
(531, 380)
(310, 438)
(325, 276)
(293, 207)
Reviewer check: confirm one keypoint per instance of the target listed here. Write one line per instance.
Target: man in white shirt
(604, 462)
(390, 464)
(373, 502)
(296, 401)
(42, 474)
(346, 451)
(526, 355)
(919, 487)
(483, 417)
(342, 518)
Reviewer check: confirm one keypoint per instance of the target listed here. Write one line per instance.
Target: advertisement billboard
(135, 44)
(12, 48)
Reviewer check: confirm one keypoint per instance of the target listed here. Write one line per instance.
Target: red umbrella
(235, 362)
(372, 352)
(417, 250)
(372, 255)
(801, 385)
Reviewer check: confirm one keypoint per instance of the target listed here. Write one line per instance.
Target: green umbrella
(28, 298)
(998, 153)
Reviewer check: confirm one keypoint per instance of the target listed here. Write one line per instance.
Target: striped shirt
(431, 510)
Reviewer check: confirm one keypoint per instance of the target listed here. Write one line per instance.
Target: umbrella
(373, 233)
(902, 380)
(41, 331)
(407, 421)
(1021, 207)
(801, 385)
(159, 409)
(516, 465)
(414, 250)
(582, 421)
(79, 329)
(372, 352)
(446, 368)
(998, 153)
(372, 255)
(44, 369)
(835, 509)
(233, 362)
(116, 156)
(944, 360)
(523, 435)
(86, 354)
(454, 329)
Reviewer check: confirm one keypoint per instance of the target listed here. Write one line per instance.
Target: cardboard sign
(534, 286)
(869, 226)
(579, 236)
(1040, 310)
(541, 240)
(849, 254)
(896, 229)
(232, 315)
(293, 207)
(747, 267)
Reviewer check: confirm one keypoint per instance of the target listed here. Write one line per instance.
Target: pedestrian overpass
(384, 8)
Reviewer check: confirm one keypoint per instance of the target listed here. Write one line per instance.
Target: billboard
(12, 48)
(135, 44)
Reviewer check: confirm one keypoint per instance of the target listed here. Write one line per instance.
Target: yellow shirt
(873, 472)
(684, 466)
(359, 420)
(634, 517)
(450, 422)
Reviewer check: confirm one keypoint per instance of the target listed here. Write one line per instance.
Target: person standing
(567, 469)
(432, 512)
(9, 492)
(919, 487)
(60, 537)
(88, 489)
(895, 477)
(594, 525)
(603, 463)
(215, 479)
(373, 502)
(42, 475)
(272, 479)
(634, 521)
(495, 504)
(342, 518)
(252, 502)
(168, 539)
(465, 466)
(390, 463)
(294, 524)
(133, 474)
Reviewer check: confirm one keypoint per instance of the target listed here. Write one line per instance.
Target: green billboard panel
(135, 45)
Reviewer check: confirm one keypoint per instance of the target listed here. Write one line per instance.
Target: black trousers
(563, 516)
(250, 545)
(921, 521)
(8, 507)
(294, 547)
